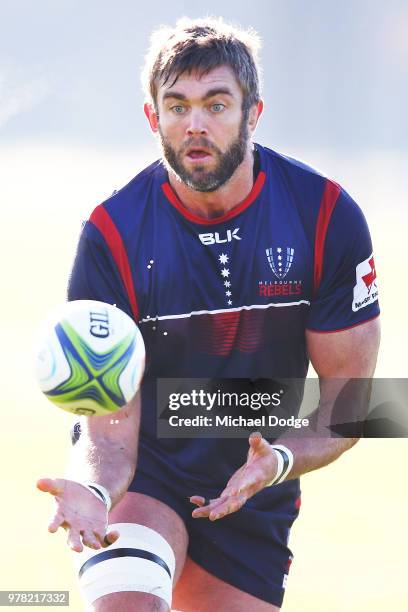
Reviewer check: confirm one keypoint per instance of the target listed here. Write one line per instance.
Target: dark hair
(202, 45)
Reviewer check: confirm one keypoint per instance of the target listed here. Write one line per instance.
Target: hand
(80, 512)
(259, 469)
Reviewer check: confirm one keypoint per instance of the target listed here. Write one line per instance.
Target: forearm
(342, 401)
(345, 362)
(106, 451)
(105, 463)
(313, 453)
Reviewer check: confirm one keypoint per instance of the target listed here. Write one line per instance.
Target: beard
(200, 179)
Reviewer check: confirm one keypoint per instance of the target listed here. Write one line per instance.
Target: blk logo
(216, 238)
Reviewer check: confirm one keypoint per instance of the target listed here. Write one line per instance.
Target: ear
(254, 113)
(152, 116)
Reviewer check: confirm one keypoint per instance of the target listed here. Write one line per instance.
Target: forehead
(193, 85)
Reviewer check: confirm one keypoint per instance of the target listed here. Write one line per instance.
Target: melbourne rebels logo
(280, 260)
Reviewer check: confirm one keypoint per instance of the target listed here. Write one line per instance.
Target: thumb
(111, 538)
(49, 485)
(255, 440)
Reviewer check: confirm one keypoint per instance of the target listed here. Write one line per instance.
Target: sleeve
(347, 294)
(94, 274)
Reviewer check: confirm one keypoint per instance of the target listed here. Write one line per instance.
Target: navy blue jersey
(228, 297)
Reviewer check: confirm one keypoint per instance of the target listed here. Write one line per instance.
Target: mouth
(198, 154)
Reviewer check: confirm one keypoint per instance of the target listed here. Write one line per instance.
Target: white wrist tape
(284, 457)
(100, 492)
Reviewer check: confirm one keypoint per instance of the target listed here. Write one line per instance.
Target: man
(236, 262)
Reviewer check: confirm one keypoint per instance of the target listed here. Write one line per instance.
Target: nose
(196, 124)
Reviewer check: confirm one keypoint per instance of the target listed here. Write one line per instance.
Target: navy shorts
(247, 549)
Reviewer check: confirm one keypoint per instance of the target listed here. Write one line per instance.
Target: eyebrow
(216, 91)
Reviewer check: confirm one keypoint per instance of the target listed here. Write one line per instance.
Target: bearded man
(236, 262)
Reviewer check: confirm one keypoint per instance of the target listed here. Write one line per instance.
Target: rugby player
(236, 262)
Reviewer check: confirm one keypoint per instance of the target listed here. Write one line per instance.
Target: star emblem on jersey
(224, 261)
(280, 260)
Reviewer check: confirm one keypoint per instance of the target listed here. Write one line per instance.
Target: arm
(336, 357)
(107, 449)
(106, 453)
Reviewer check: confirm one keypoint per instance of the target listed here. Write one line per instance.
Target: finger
(74, 540)
(255, 443)
(255, 438)
(56, 523)
(200, 501)
(201, 512)
(49, 485)
(204, 511)
(106, 539)
(228, 507)
(90, 540)
(223, 506)
(110, 538)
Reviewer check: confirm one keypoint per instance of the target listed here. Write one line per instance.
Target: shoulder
(292, 168)
(315, 194)
(124, 210)
(152, 174)
(296, 183)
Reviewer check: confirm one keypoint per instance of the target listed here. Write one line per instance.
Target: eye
(178, 109)
(217, 107)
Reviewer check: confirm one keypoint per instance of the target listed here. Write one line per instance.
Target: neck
(218, 203)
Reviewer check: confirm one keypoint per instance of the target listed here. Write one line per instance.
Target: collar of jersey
(251, 197)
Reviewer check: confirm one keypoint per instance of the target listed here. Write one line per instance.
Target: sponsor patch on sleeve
(365, 291)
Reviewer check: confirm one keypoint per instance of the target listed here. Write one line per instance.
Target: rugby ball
(90, 358)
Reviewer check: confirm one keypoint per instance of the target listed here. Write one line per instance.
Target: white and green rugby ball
(90, 358)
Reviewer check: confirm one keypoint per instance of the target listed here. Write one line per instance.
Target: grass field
(350, 543)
